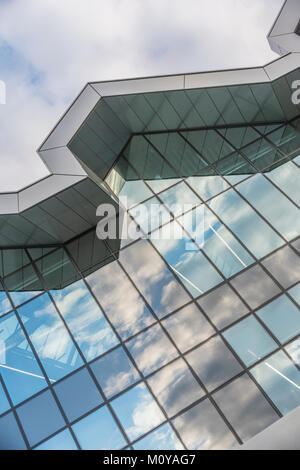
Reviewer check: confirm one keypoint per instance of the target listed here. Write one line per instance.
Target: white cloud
(50, 49)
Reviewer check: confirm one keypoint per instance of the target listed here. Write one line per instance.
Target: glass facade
(143, 343)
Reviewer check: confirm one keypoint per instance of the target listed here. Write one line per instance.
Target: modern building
(150, 342)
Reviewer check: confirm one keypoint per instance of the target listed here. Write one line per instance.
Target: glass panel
(219, 244)
(147, 161)
(202, 428)
(151, 349)
(179, 199)
(57, 270)
(286, 177)
(187, 262)
(164, 438)
(11, 260)
(275, 207)
(223, 306)
(255, 286)
(85, 319)
(115, 372)
(150, 215)
(240, 136)
(4, 403)
(282, 317)
(153, 278)
(18, 366)
(245, 223)
(280, 379)
(62, 441)
(235, 168)
(137, 411)
(245, 407)
(209, 143)
(188, 327)
(50, 338)
(98, 431)
(287, 138)
(294, 350)
(23, 285)
(40, 417)
(175, 387)
(250, 340)
(214, 363)
(295, 293)
(284, 265)
(207, 186)
(121, 302)
(78, 394)
(11, 437)
(262, 154)
(5, 305)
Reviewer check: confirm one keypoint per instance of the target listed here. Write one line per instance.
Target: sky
(50, 49)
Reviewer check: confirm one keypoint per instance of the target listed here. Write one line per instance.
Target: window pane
(202, 428)
(18, 366)
(245, 223)
(78, 394)
(4, 403)
(249, 340)
(284, 265)
(207, 186)
(175, 387)
(62, 441)
(137, 411)
(219, 244)
(275, 207)
(120, 300)
(282, 317)
(245, 407)
(223, 306)
(153, 278)
(85, 319)
(40, 417)
(5, 305)
(280, 379)
(286, 177)
(164, 438)
(11, 437)
(98, 431)
(179, 199)
(151, 349)
(214, 363)
(188, 327)
(188, 263)
(255, 286)
(294, 350)
(295, 293)
(50, 338)
(115, 372)
(23, 285)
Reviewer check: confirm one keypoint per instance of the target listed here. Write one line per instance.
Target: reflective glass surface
(249, 412)
(214, 363)
(115, 372)
(98, 431)
(187, 339)
(137, 411)
(250, 340)
(201, 428)
(280, 379)
(282, 317)
(175, 387)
